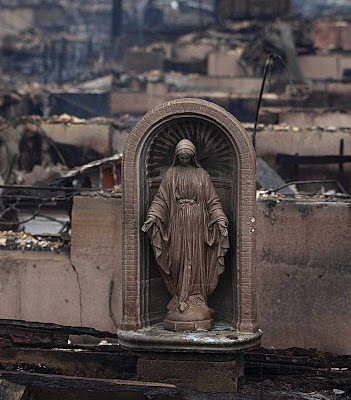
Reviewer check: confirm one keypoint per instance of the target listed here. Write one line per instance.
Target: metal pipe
(269, 58)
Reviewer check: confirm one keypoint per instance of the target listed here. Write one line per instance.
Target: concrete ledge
(221, 339)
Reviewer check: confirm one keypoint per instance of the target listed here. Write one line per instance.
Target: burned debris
(39, 179)
(24, 241)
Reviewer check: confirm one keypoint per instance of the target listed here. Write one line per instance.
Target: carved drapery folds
(189, 235)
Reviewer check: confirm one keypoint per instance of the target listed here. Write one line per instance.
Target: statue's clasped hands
(222, 228)
(148, 224)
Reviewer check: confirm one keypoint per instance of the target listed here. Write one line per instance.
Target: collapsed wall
(307, 152)
(64, 140)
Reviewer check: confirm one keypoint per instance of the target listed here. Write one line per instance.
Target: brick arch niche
(226, 152)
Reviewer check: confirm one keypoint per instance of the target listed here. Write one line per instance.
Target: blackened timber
(297, 159)
(116, 29)
(307, 368)
(15, 332)
(58, 382)
(299, 357)
(108, 362)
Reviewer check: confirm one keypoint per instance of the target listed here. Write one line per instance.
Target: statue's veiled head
(185, 154)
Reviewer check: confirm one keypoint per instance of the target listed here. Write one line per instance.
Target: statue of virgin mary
(189, 235)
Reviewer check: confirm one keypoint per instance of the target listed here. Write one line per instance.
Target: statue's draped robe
(185, 237)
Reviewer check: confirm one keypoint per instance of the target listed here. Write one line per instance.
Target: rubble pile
(42, 149)
(327, 197)
(24, 241)
(315, 8)
(283, 127)
(64, 119)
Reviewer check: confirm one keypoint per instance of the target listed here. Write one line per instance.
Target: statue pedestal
(207, 360)
(222, 339)
(207, 373)
(198, 316)
(181, 326)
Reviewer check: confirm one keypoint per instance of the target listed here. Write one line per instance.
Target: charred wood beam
(308, 368)
(299, 357)
(117, 20)
(297, 362)
(22, 333)
(57, 382)
(70, 330)
(89, 361)
(310, 160)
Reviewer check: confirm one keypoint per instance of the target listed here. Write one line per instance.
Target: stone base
(179, 326)
(207, 374)
(221, 338)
